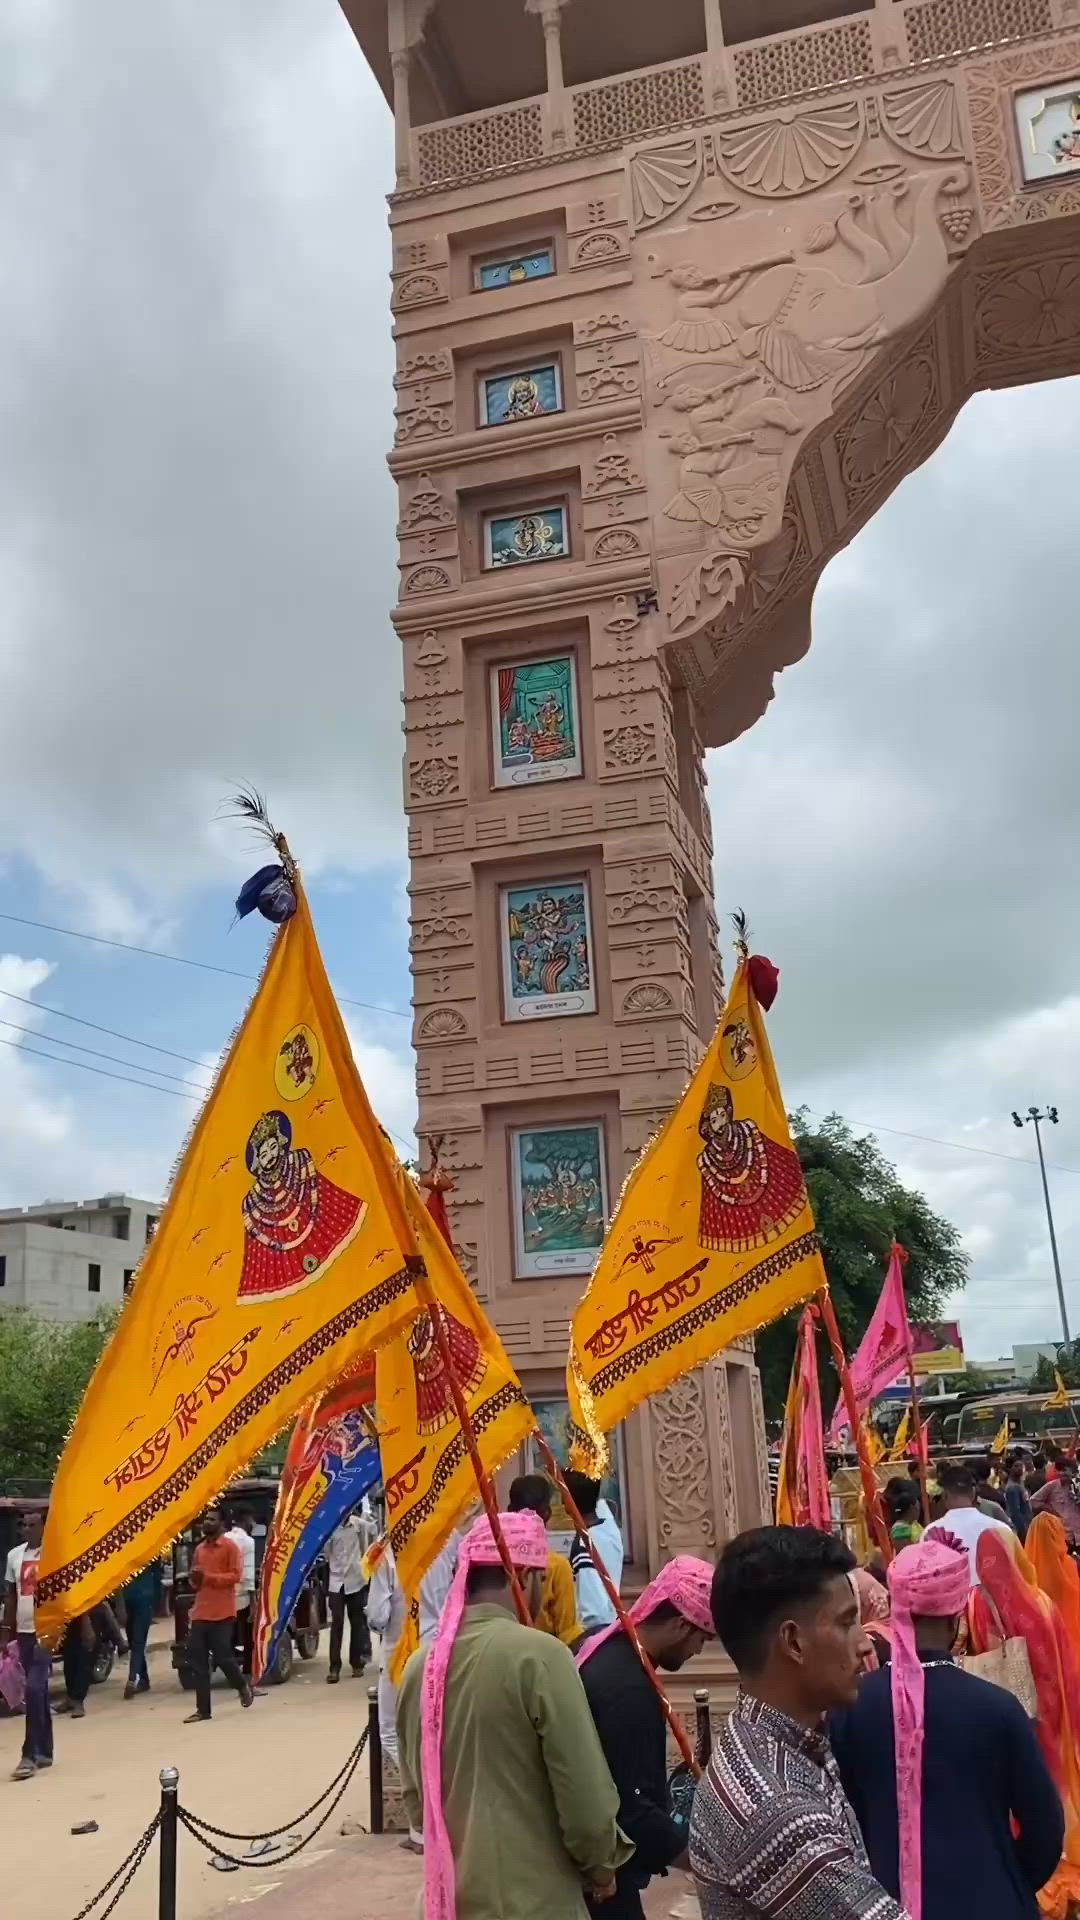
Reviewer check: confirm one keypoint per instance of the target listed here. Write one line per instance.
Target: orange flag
(802, 1492)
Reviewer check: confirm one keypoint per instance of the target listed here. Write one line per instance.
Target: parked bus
(1030, 1419)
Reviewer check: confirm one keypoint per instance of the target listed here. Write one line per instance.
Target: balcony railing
(888, 37)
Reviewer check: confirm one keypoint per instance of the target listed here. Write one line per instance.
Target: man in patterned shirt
(772, 1832)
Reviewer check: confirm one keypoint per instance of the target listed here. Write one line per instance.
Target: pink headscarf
(685, 1583)
(932, 1578)
(527, 1541)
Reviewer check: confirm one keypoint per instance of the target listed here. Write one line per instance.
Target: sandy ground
(246, 1771)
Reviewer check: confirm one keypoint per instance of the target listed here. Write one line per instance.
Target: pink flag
(802, 1492)
(885, 1347)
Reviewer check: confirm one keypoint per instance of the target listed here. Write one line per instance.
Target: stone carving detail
(455, 150)
(988, 86)
(646, 998)
(948, 26)
(423, 423)
(661, 179)
(602, 326)
(886, 422)
(792, 154)
(617, 544)
(630, 747)
(827, 57)
(924, 120)
(767, 576)
(778, 340)
(434, 779)
(442, 1023)
(607, 380)
(423, 366)
(426, 580)
(440, 926)
(681, 1453)
(1032, 309)
(418, 290)
(427, 508)
(612, 472)
(593, 249)
(761, 1446)
(621, 109)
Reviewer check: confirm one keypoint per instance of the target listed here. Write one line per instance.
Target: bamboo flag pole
(627, 1625)
(920, 1454)
(874, 1519)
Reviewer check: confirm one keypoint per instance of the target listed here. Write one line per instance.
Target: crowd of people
(904, 1745)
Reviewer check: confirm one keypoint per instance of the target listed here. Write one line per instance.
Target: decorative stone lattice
(639, 104)
(456, 148)
(951, 26)
(803, 60)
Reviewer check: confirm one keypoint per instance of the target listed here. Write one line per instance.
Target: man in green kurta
(499, 1754)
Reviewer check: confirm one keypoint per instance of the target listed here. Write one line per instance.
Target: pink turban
(933, 1578)
(685, 1583)
(526, 1539)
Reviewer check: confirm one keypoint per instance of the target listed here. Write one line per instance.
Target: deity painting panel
(518, 539)
(521, 395)
(560, 1198)
(534, 722)
(538, 264)
(547, 951)
(553, 1421)
(1048, 125)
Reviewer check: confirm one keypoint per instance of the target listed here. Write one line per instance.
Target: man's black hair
(531, 1493)
(956, 1478)
(764, 1576)
(902, 1495)
(584, 1492)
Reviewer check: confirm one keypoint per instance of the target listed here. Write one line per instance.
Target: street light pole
(1035, 1117)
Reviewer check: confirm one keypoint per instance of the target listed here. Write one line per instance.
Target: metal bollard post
(170, 1781)
(374, 1749)
(704, 1725)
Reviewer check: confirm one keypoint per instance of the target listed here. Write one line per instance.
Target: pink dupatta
(933, 1578)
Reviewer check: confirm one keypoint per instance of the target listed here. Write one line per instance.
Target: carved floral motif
(630, 746)
(612, 472)
(887, 421)
(1033, 309)
(618, 543)
(647, 997)
(418, 290)
(434, 779)
(792, 153)
(924, 120)
(423, 423)
(442, 1023)
(593, 249)
(661, 179)
(426, 508)
(684, 1501)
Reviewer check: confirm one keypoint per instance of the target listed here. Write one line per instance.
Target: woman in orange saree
(1055, 1569)
(1024, 1611)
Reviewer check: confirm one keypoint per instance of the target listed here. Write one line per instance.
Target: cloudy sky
(196, 544)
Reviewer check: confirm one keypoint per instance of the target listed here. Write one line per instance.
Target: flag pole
(874, 1519)
(418, 1274)
(677, 1729)
(917, 1427)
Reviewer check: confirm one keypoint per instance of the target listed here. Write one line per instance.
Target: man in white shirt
(20, 1585)
(348, 1594)
(242, 1533)
(962, 1517)
(595, 1610)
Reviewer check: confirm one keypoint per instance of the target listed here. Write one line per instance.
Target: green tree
(1067, 1364)
(860, 1205)
(44, 1371)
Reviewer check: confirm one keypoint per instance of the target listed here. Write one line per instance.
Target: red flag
(802, 1490)
(437, 1185)
(885, 1348)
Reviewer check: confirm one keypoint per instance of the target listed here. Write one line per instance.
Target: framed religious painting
(545, 934)
(521, 539)
(553, 1420)
(535, 729)
(513, 269)
(560, 1198)
(1048, 128)
(520, 395)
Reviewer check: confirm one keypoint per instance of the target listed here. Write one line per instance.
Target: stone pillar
(549, 12)
(401, 63)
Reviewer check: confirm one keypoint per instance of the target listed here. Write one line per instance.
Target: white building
(66, 1259)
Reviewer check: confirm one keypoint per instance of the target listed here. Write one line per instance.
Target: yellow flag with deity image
(713, 1236)
(428, 1476)
(275, 1266)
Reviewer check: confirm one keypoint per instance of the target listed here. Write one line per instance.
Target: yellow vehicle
(1030, 1420)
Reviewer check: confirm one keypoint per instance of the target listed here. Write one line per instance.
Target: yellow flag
(900, 1437)
(714, 1236)
(875, 1445)
(1001, 1437)
(275, 1266)
(427, 1473)
(1060, 1397)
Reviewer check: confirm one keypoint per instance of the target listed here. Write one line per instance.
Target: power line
(113, 1032)
(930, 1140)
(180, 959)
(148, 1086)
(96, 1054)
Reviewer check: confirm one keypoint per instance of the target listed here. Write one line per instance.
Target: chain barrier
(200, 1829)
(129, 1868)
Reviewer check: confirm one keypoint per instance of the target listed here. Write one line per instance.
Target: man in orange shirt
(216, 1572)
